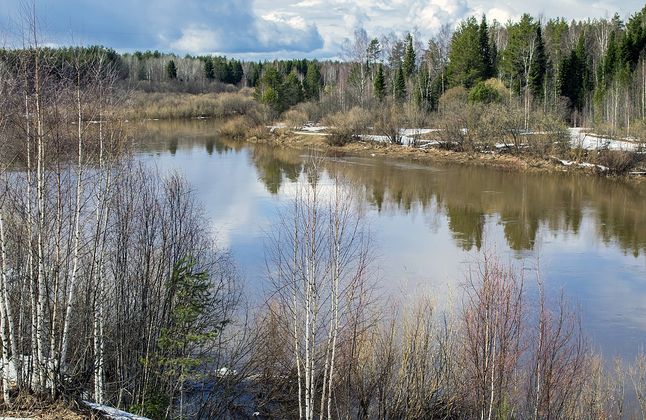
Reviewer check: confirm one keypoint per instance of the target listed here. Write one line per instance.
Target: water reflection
(430, 221)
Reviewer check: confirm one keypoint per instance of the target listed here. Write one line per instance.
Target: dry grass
(183, 105)
(29, 406)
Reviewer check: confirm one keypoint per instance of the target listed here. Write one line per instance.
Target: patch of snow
(314, 128)
(580, 138)
(225, 371)
(113, 413)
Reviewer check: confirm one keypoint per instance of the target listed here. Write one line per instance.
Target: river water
(584, 235)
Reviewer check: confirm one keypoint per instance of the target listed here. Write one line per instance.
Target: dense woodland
(112, 288)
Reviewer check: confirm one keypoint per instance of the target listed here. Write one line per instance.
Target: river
(585, 235)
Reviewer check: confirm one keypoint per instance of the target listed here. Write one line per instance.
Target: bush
(484, 93)
(236, 127)
(389, 121)
(454, 98)
(347, 126)
(295, 118)
(618, 162)
(552, 136)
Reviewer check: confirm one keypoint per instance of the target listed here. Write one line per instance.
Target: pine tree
(171, 70)
(380, 84)
(408, 66)
(399, 87)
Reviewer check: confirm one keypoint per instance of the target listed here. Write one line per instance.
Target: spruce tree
(380, 84)
(487, 70)
(171, 70)
(312, 81)
(539, 65)
(409, 57)
(209, 72)
(399, 87)
(465, 58)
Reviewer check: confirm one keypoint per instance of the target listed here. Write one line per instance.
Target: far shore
(315, 141)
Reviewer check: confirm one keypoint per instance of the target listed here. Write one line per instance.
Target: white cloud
(267, 28)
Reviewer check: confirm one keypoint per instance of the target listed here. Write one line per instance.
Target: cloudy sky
(267, 28)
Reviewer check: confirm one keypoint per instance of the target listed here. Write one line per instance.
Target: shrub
(389, 121)
(454, 98)
(236, 127)
(295, 118)
(484, 93)
(618, 162)
(347, 126)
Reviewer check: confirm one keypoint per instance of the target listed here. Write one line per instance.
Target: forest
(114, 292)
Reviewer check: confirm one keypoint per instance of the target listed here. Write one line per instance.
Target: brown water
(586, 235)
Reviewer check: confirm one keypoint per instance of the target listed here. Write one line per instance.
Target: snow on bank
(113, 413)
(588, 141)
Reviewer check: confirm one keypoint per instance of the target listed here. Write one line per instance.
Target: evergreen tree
(539, 65)
(312, 82)
(575, 76)
(408, 66)
(485, 50)
(235, 72)
(517, 58)
(399, 86)
(465, 58)
(380, 84)
(171, 70)
(611, 60)
(209, 73)
(292, 91)
(373, 52)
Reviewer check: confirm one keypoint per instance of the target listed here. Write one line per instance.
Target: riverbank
(316, 141)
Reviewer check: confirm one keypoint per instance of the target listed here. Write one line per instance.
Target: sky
(265, 29)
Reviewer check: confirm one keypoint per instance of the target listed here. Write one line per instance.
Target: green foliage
(399, 86)
(517, 58)
(486, 52)
(209, 71)
(312, 82)
(188, 329)
(539, 65)
(574, 78)
(373, 52)
(171, 70)
(466, 65)
(154, 404)
(379, 84)
(408, 66)
(292, 90)
(484, 93)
